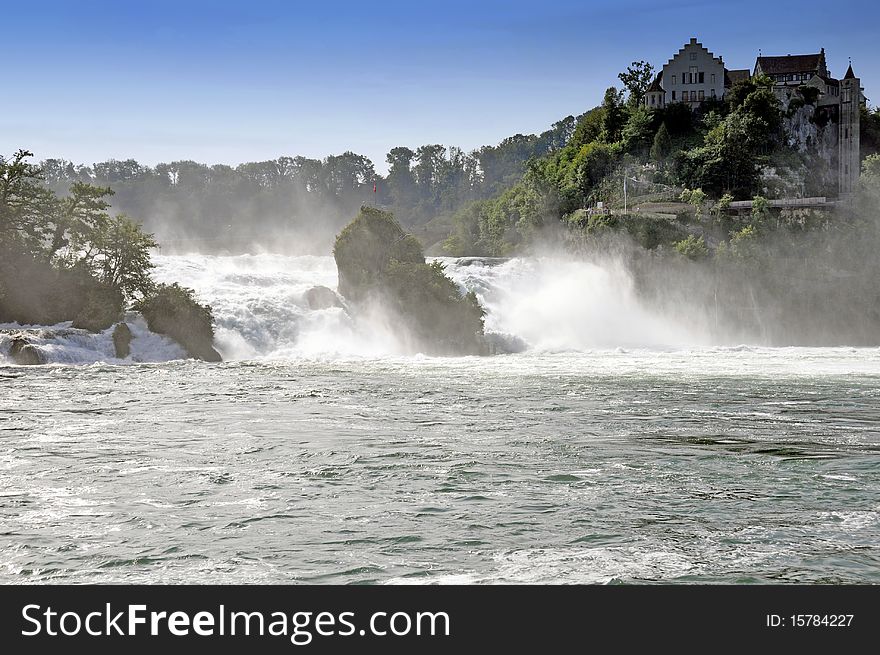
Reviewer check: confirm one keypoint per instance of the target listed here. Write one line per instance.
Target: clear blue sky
(228, 82)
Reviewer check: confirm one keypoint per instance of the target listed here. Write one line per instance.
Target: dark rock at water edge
(122, 337)
(173, 311)
(26, 354)
(322, 298)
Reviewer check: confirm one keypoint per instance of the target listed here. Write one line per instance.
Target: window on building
(702, 95)
(846, 133)
(673, 95)
(713, 78)
(702, 76)
(674, 79)
(652, 100)
(693, 56)
(713, 93)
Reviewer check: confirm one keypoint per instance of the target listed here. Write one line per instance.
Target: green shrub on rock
(173, 311)
(103, 307)
(379, 263)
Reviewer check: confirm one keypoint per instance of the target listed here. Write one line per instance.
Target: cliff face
(812, 129)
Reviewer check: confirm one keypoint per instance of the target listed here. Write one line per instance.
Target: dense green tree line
(190, 204)
(69, 258)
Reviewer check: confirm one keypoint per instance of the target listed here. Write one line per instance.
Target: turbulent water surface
(615, 445)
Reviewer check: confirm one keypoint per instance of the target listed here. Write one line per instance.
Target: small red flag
(374, 188)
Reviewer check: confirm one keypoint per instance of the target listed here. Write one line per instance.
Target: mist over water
(560, 304)
(541, 304)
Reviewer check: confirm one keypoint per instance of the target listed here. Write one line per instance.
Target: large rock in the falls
(322, 298)
(122, 337)
(173, 311)
(383, 268)
(25, 354)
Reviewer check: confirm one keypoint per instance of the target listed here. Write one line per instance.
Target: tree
(429, 160)
(614, 117)
(638, 133)
(722, 205)
(588, 128)
(662, 145)
(26, 206)
(692, 247)
(760, 208)
(121, 256)
(401, 182)
(869, 129)
(636, 79)
(83, 215)
(694, 197)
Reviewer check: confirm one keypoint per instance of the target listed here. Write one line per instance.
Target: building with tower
(829, 127)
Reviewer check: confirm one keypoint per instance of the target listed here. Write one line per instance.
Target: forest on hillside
(493, 200)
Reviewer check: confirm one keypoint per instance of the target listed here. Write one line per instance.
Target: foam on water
(63, 344)
(540, 305)
(534, 306)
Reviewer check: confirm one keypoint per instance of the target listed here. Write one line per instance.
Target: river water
(615, 446)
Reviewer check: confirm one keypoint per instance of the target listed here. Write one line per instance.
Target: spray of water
(262, 310)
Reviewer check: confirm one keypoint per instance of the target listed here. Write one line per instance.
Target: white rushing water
(261, 311)
(540, 305)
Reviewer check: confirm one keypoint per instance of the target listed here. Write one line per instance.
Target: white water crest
(556, 304)
(261, 310)
(62, 344)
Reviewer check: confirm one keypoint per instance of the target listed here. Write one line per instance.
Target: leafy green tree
(869, 131)
(692, 247)
(401, 181)
(723, 204)
(638, 133)
(662, 145)
(121, 256)
(694, 197)
(613, 116)
(27, 208)
(636, 79)
(760, 208)
(589, 127)
(744, 243)
(82, 217)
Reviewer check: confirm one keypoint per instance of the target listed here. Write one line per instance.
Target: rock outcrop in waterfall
(383, 268)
